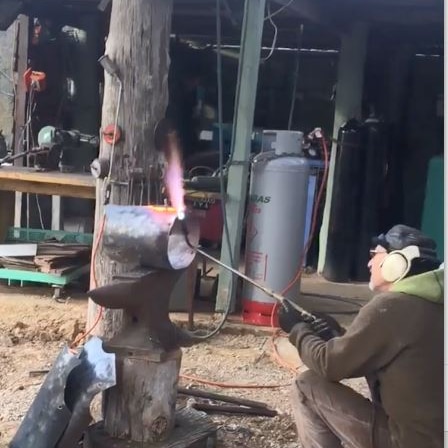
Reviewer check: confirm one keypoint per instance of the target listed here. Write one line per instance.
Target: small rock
(6, 341)
(45, 337)
(17, 333)
(20, 325)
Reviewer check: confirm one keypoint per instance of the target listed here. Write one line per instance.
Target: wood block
(192, 430)
(142, 404)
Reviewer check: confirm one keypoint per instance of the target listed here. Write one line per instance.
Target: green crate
(20, 234)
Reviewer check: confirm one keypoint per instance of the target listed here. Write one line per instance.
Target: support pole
(251, 35)
(21, 64)
(349, 90)
(138, 44)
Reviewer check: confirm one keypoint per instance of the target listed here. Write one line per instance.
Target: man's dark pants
(332, 415)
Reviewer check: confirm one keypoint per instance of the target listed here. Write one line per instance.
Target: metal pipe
(219, 397)
(275, 295)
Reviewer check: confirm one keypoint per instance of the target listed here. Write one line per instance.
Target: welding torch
(275, 295)
(284, 301)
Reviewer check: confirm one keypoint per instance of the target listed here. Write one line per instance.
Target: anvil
(157, 247)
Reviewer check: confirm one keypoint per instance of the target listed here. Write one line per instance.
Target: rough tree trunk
(138, 43)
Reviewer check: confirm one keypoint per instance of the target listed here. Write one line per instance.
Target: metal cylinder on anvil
(276, 222)
(149, 236)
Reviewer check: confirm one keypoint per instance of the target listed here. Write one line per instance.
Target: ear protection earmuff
(397, 264)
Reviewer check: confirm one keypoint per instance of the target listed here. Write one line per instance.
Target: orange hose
(232, 385)
(75, 343)
(314, 220)
(275, 355)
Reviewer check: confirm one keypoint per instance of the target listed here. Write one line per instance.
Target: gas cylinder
(276, 222)
(345, 204)
(374, 142)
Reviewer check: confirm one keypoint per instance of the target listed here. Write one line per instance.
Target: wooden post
(20, 66)
(349, 91)
(138, 43)
(251, 35)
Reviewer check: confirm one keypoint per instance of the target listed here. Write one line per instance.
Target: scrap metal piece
(149, 236)
(95, 374)
(18, 250)
(60, 412)
(48, 415)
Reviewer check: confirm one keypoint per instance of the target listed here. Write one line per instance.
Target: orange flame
(174, 176)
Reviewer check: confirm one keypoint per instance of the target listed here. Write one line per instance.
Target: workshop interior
(386, 156)
(274, 159)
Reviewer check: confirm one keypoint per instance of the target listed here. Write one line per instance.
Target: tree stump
(141, 407)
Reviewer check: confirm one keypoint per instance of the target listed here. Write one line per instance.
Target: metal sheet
(48, 415)
(18, 250)
(96, 373)
(149, 236)
(60, 412)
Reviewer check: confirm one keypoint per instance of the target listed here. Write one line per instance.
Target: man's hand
(323, 326)
(326, 327)
(288, 317)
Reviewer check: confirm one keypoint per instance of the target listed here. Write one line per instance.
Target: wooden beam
(20, 66)
(349, 91)
(48, 189)
(252, 31)
(26, 180)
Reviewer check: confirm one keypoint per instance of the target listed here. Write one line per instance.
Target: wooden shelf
(76, 185)
(28, 180)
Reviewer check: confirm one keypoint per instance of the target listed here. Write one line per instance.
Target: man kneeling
(396, 342)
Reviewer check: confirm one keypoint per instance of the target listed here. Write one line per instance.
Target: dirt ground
(33, 329)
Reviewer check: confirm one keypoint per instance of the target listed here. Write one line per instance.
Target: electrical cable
(296, 77)
(274, 40)
(228, 307)
(40, 211)
(279, 10)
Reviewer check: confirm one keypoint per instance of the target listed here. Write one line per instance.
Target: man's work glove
(288, 317)
(326, 327)
(323, 326)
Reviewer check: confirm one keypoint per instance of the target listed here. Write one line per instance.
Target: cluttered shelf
(28, 180)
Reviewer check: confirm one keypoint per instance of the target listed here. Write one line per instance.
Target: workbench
(56, 184)
(28, 180)
(15, 180)
(75, 185)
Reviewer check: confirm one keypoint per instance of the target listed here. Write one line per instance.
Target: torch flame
(174, 176)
